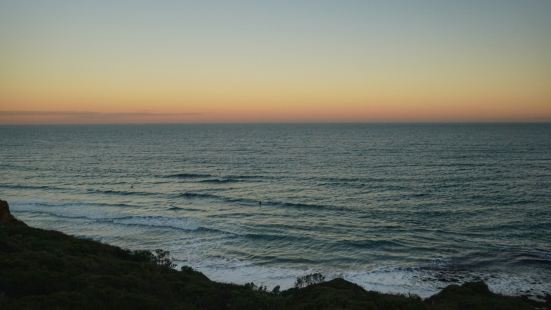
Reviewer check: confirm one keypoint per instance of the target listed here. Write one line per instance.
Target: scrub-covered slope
(41, 269)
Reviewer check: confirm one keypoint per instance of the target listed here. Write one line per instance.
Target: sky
(274, 61)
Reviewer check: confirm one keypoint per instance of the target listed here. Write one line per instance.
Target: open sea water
(406, 208)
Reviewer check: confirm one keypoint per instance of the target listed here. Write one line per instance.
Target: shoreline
(44, 258)
(390, 280)
(421, 280)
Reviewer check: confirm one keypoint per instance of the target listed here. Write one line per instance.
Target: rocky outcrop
(5, 215)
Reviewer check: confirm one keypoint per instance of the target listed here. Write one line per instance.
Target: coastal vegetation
(44, 269)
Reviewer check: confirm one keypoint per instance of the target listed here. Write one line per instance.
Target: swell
(76, 203)
(182, 224)
(531, 260)
(123, 193)
(254, 202)
(21, 186)
(191, 195)
(220, 181)
(267, 237)
(212, 178)
(187, 175)
(75, 190)
(374, 244)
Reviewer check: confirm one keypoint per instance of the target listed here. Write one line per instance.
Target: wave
(188, 175)
(532, 261)
(185, 224)
(75, 203)
(192, 195)
(371, 244)
(174, 208)
(248, 177)
(21, 186)
(534, 257)
(197, 195)
(220, 181)
(179, 223)
(303, 205)
(355, 179)
(276, 237)
(385, 279)
(124, 193)
(211, 178)
(263, 203)
(426, 282)
(65, 216)
(242, 201)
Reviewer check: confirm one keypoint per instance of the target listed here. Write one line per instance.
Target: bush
(250, 286)
(309, 279)
(162, 258)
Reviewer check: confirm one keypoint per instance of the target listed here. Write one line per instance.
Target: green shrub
(309, 279)
(162, 258)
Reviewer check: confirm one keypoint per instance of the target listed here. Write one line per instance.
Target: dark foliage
(162, 258)
(309, 279)
(42, 269)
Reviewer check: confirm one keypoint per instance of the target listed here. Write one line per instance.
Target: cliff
(43, 269)
(6, 218)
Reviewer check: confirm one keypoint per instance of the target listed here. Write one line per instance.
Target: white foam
(103, 213)
(420, 282)
(389, 279)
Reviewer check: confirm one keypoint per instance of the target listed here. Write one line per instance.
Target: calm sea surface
(395, 208)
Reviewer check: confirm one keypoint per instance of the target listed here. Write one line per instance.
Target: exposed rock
(5, 215)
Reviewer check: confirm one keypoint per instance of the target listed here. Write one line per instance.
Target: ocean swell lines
(183, 224)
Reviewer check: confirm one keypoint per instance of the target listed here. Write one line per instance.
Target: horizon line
(466, 122)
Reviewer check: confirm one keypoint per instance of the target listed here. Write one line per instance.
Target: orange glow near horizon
(287, 62)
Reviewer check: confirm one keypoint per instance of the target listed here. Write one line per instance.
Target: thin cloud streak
(89, 117)
(87, 113)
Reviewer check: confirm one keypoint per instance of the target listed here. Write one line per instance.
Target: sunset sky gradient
(274, 61)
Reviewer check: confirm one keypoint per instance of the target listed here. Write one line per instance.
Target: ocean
(403, 208)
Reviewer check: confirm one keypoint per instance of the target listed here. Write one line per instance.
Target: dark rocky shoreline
(43, 269)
